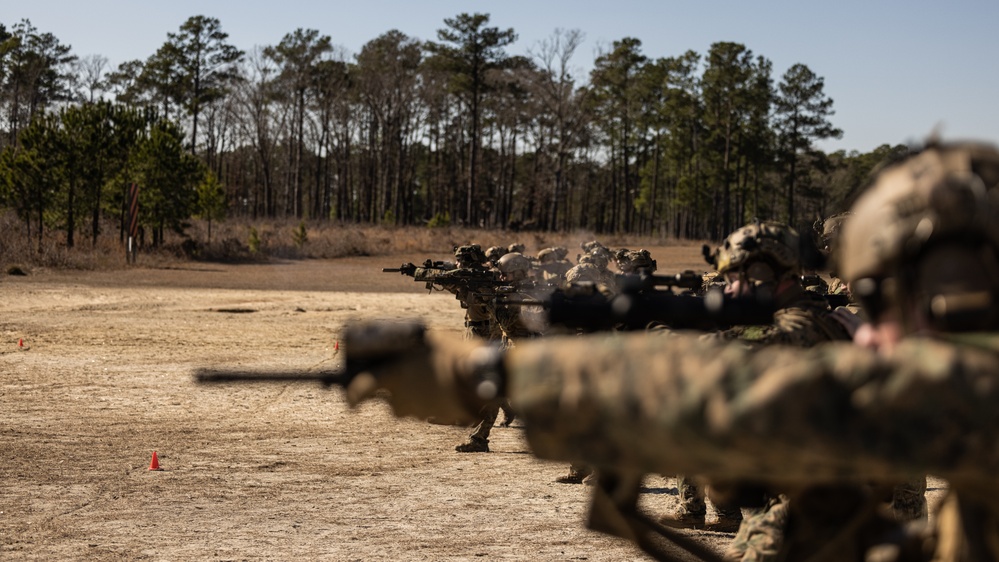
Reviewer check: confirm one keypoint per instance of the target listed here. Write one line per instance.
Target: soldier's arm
(683, 405)
(641, 402)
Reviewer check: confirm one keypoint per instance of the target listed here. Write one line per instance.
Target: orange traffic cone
(20, 342)
(155, 464)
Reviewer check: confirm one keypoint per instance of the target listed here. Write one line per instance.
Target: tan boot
(724, 524)
(683, 520)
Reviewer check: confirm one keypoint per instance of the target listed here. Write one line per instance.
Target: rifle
(638, 282)
(614, 507)
(410, 268)
(482, 281)
(591, 311)
(367, 345)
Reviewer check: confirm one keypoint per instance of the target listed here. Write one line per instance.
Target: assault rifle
(585, 309)
(480, 281)
(410, 268)
(367, 345)
(639, 282)
(614, 507)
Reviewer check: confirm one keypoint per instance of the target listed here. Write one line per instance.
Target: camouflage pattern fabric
(761, 534)
(908, 501)
(478, 316)
(489, 414)
(691, 498)
(802, 320)
(630, 402)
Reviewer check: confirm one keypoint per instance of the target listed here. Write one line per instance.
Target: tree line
(447, 131)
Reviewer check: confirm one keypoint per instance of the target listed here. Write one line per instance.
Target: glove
(425, 375)
(848, 319)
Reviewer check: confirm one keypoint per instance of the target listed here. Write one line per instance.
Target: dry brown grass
(231, 241)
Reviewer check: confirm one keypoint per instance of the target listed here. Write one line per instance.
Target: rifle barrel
(232, 376)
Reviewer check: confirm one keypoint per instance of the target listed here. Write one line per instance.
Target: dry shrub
(275, 239)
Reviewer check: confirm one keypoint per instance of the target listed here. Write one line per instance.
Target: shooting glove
(424, 374)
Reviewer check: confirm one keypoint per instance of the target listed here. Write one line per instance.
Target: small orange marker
(20, 342)
(336, 346)
(155, 464)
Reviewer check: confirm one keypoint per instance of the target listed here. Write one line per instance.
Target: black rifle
(474, 280)
(585, 310)
(366, 345)
(639, 282)
(410, 268)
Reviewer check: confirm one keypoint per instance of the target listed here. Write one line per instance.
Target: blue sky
(896, 70)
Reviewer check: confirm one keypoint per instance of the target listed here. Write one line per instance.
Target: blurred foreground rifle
(614, 508)
(637, 282)
(586, 309)
(367, 345)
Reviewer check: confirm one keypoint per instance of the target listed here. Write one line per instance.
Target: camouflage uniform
(802, 319)
(515, 269)
(820, 424)
(552, 264)
(735, 416)
(477, 314)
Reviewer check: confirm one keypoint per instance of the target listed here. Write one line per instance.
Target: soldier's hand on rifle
(424, 374)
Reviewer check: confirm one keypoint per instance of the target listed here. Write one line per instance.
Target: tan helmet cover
(775, 243)
(828, 230)
(943, 191)
(597, 259)
(513, 262)
(547, 256)
(583, 273)
(630, 261)
(495, 252)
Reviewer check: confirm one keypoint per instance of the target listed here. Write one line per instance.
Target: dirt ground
(95, 375)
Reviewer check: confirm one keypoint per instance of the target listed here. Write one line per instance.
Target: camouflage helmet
(944, 192)
(827, 231)
(547, 255)
(514, 262)
(560, 252)
(517, 247)
(583, 273)
(776, 244)
(630, 261)
(495, 252)
(470, 254)
(594, 247)
(597, 259)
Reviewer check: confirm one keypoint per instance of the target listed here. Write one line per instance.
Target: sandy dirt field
(265, 472)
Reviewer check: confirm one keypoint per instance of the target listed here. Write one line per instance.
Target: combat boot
(724, 524)
(508, 416)
(577, 474)
(683, 520)
(474, 445)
